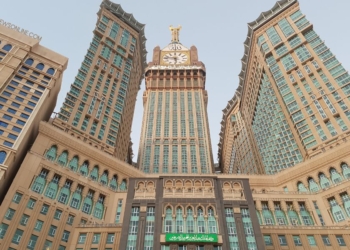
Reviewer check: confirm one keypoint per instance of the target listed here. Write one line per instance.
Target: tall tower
(293, 91)
(30, 79)
(175, 133)
(100, 105)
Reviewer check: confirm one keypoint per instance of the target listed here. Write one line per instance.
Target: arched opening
(7, 47)
(29, 62)
(40, 66)
(94, 173)
(2, 156)
(50, 71)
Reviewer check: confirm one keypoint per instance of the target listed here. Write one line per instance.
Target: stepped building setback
(283, 151)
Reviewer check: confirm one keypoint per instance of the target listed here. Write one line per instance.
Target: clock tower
(175, 131)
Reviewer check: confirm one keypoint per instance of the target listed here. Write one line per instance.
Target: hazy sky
(217, 28)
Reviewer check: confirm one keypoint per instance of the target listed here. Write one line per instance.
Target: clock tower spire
(175, 32)
(175, 135)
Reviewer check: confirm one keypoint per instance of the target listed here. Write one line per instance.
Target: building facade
(100, 105)
(30, 79)
(293, 93)
(175, 134)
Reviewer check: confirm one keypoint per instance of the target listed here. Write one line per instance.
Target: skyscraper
(175, 134)
(100, 105)
(30, 79)
(293, 92)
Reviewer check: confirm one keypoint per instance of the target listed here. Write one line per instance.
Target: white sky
(217, 28)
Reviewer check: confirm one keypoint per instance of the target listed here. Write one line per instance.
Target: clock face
(175, 58)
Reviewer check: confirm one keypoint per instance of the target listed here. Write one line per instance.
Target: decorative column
(285, 210)
(272, 209)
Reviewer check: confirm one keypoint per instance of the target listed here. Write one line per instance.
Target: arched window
(52, 188)
(301, 187)
(280, 216)
(179, 220)
(2, 157)
(94, 173)
(73, 164)
(40, 182)
(123, 185)
(50, 71)
(335, 176)
(29, 61)
(84, 169)
(190, 221)
(104, 178)
(40, 66)
(63, 158)
(51, 154)
(267, 214)
(346, 170)
(324, 182)
(87, 204)
(293, 217)
(99, 208)
(212, 221)
(200, 221)
(7, 47)
(305, 215)
(313, 186)
(346, 202)
(76, 198)
(337, 211)
(114, 183)
(64, 194)
(168, 220)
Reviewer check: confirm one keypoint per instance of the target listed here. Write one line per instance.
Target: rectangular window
(24, 220)
(17, 237)
(9, 214)
(268, 240)
(32, 242)
(297, 241)
(38, 225)
(285, 27)
(282, 240)
(311, 240)
(70, 219)
(340, 240)
(110, 238)
(58, 214)
(273, 35)
(17, 198)
(3, 230)
(96, 238)
(52, 230)
(31, 203)
(44, 209)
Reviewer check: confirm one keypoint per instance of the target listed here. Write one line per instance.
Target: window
(3, 124)
(24, 220)
(7, 47)
(70, 219)
(16, 129)
(8, 144)
(82, 238)
(65, 236)
(58, 214)
(282, 240)
(44, 209)
(96, 239)
(29, 61)
(17, 237)
(10, 213)
(340, 240)
(311, 240)
(31, 203)
(110, 238)
(32, 242)
(52, 230)
(3, 230)
(326, 240)
(297, 241)
(38, 225)
(268, 240)
(39, 66)
(17, 198)
(7, 117)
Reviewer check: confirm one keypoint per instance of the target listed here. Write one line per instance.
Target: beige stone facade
(30, 79)
(100, 106)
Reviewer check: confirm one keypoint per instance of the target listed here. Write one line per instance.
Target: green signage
(201, 238)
